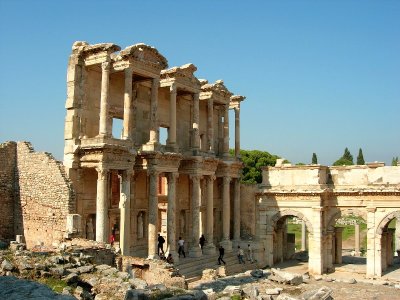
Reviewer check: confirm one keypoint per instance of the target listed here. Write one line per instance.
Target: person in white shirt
(181, 247)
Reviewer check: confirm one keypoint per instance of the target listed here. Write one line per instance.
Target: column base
(209, 249)
(195, 252)
(227, 244)
(152, 256)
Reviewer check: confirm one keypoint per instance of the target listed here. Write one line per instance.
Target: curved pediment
(143, 52)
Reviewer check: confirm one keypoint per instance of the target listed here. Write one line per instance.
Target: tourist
(170, 260)
(112, 238)
(250, 253)
(161, 242)
(240, 255)
(202, 240)
(221, 255)
(181, 247)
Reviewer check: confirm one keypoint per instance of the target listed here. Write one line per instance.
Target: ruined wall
(44, 196)
(7, 181)
(248, 210)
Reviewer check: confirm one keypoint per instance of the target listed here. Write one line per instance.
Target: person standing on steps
(250, 253)
(202, 240)
(221, 255)
(161, 242)
(181, 247)
(240, 255)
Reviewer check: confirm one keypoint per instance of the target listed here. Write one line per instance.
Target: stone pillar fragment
(373, 255)
(226, 132)
(316, 253)
(125, 212)
(172, 117)
(128, 107)
(195, 250)
(357, 239)
(237, 131)
(338, 245)
(196, 120)
(171, 216)
(236, 210)
(104, 127)
(210, 247)
(210, 125)
(154, 130)
(102, 205)
(226, 214)
(153, 214)
(303, 235)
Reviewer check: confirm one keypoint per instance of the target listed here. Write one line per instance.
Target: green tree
(314, 159)
(346, 159)
(253, 161)
(395, 161)
(360, 158)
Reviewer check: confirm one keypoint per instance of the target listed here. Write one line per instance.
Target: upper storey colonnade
(135, 86)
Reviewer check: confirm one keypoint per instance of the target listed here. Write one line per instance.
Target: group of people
(202, 240)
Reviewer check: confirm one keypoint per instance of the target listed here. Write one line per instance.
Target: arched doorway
(347, 235)
(387, 242)
(290, 235)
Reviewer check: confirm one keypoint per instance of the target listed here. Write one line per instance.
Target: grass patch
(296, 229)
(56, 285)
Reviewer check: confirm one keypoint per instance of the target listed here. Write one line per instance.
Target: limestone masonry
(147, 152)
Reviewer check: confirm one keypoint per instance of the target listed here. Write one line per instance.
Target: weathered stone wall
(248, 210)
(8, 152)
(44, 197)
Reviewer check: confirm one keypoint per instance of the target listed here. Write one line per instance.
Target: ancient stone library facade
(147, 152)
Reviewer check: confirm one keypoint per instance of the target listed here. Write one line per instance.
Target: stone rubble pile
(83, 276)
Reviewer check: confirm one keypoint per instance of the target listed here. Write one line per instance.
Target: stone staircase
(192, 268)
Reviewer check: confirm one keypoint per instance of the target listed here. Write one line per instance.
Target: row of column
(129, 107)
(125, 207)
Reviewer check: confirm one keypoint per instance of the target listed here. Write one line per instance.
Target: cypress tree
(360, 158)
(347, 155)
(314, 159)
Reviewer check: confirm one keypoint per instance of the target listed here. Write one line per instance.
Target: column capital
(153, 172)
(128, 71)
(155, 82)
(172, 176)
(211, 177)
(195, 177)
(172, 88)
(102, 172)
(371, 209)
(227, 179)
(105, 66)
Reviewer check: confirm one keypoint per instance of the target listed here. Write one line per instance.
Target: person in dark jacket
(221, 255)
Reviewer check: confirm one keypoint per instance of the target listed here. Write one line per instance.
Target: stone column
(171, 216)
(226, 132)
(397, 234)
(237, 131)
(357, 239)
(236, 211)
(128, 107)
(172, 117)
(210, 125)
(153, 214)
(226, 214)
(195, 250)
(316, 254)
(104, 129)
(102, 205)
(154, 130)
(338, 245)
(373, 254)
(134, 116)
(196, 120)
(125, 212)
(220, 131)
(210, 247)
(303, 235)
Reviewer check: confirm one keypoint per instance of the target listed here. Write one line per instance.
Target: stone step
(192, 268)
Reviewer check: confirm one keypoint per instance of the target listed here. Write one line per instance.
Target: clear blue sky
(319, 76)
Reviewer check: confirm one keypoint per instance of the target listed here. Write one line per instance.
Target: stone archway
(333, 237)
(282, 241)
(384, 236)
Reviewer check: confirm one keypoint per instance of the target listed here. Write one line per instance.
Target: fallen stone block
(324, 293)
(257, 273)
(6, 265)
(285, 277)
